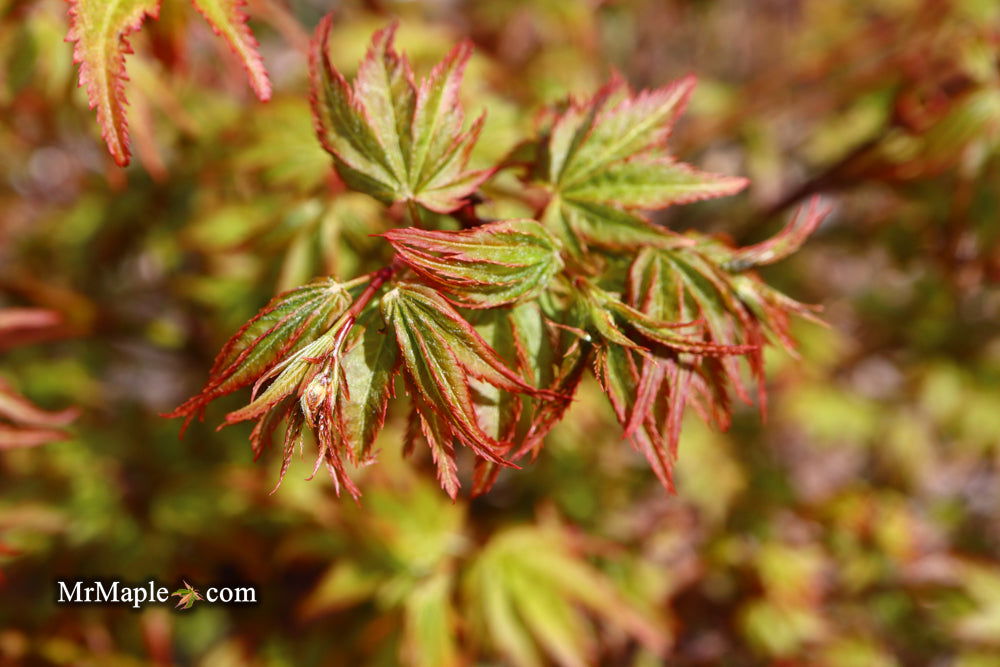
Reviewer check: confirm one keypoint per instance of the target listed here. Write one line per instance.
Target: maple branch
(466, 214)
(376, 280)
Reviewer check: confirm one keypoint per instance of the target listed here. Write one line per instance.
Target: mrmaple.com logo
(117, 592)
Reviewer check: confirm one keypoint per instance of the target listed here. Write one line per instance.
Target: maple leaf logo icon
(188, 596)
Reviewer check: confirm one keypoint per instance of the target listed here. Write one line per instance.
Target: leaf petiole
(376, 280)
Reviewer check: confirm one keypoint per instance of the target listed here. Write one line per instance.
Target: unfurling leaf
(317, 360)
(391, 137)
(491, 265)
(605, 157)
(338, 386)
(442, 354)
(100, 30)
(294, 376)
(287, 323)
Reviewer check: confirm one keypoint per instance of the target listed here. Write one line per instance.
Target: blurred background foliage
(858, 525)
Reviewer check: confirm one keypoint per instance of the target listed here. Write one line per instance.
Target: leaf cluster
(490, 325)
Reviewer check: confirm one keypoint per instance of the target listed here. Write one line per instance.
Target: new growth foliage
(491, 327)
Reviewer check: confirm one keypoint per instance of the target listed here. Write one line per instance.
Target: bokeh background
(858, 525)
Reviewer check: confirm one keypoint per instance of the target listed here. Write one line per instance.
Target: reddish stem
(378, 278)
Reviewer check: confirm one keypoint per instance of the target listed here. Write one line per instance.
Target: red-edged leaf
(442, 353)
(605, 157)
(491, 265)
(319, 405)
(99, 30)
(555, 356)
(341, 123)
(736, 311)
(781, 245)
(438, 112)
(391, 137)
(498, 410)
(622, 125)
(501, 413)
(288, 322)
(229, 20)
(334, 377)
(438, 436)
(384, 89)
(606, 311)
(342, 396)
(618, 372)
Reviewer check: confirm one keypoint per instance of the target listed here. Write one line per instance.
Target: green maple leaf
(369, 366)
(528, 590)
(604, 159)
(390, 136)
(188, 596)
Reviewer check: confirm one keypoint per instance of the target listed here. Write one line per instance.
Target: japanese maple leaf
(391, 137)
(604, 160)
(188, 596)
